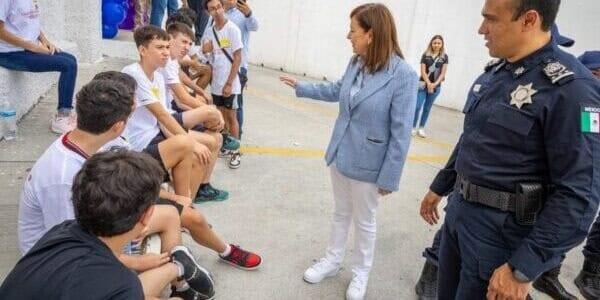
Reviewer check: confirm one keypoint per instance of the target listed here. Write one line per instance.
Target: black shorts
(226, 102)
(162, 201)
(152, 147)
(178, 116)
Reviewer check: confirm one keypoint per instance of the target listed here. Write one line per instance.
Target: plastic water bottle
(2, 124)
(9, 118)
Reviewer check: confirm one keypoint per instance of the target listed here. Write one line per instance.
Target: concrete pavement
(281, 200)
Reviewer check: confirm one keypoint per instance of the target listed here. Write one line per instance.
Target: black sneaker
(588, 280)
(198, 278)
(426, 287)
(189, 294)
(549, 284)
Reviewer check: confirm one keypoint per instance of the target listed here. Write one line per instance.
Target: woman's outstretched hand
(291, 81)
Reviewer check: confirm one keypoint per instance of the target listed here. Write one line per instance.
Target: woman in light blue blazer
(370, 140)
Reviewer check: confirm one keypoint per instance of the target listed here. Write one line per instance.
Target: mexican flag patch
(590, 120)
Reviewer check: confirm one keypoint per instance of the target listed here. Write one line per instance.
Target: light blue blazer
(371, 136)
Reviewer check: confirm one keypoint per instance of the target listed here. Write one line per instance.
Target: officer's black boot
(548, 283)
(426, 287)
(588, 280)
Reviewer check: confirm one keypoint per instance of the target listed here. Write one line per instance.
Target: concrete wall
(308, 36)
(76, 21)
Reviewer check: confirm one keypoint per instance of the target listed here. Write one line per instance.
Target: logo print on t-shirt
(155, 92)
(225, 42)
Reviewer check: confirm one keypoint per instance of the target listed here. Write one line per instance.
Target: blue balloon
(112, 13)
(109, 31)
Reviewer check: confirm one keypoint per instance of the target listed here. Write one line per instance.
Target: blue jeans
(240, 110)
(62, 62)
(425, 102)
(158, 10)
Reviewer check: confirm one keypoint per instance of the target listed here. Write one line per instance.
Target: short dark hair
(174, 28)
(205, 5)
(114, 189)
(190, 13)
(145, 34)
(117, 76)
(178, 17)
(548, 9)
(101, 104)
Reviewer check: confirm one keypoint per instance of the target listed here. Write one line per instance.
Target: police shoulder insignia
(555, 71)
(494, 62)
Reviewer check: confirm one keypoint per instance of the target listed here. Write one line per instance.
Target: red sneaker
(242, 259)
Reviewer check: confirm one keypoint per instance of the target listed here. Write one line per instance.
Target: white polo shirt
(46, 196)
(142, 126)
(21, 18)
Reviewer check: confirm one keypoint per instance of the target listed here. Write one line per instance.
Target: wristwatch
(519, 276)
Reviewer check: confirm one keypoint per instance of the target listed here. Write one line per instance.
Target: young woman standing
(434, 64)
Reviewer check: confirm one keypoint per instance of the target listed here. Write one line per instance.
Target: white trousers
(355, 202)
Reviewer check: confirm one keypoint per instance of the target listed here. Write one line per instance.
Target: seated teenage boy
(191, 63)
(152, 127)
(103, 108)
(177, 95)
(113, 199)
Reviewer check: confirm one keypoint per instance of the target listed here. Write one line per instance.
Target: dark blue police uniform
(527, 122)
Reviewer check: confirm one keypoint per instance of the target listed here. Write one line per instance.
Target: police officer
(426, 286)
(525, 173)
(588, 280)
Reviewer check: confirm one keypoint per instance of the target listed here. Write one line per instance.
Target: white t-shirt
(46, 196)
(142, 126)
(21, 18)
(171, 75)
(230, 39)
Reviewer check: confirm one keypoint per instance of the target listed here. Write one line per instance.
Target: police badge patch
(522, 95)
(556, 71)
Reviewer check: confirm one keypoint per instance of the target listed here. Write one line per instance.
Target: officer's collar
(529, 62)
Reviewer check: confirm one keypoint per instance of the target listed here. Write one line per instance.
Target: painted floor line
(312, 153)
(310, 107)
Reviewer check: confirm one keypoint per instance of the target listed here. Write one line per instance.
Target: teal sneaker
(230, 143)
(220, 195)
(208, 193)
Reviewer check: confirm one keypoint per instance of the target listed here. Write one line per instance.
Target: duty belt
(503, 201)
(526, 202)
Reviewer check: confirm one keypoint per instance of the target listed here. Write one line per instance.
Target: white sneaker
(62, 125)
(413, 132)
(421, 133)
(235, 160)
(357, 289)
(320, 271)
